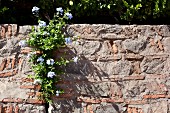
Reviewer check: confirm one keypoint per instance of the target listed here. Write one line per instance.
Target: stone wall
(17, 92)
(121, 69)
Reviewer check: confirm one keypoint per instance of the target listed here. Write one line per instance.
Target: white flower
(57, 93)
(37, 81)
(22, 43)
(51, 74)
(40, 59)
(29, 55)
(35, 9)
(59, 9)
(42, 23)
(69, 15)
(33, 53)
(46, 33)
(75, 59)
(50, 62)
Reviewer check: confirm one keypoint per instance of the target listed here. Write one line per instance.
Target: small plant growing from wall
(44, 40)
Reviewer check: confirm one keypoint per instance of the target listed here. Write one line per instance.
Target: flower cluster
(35, 11)
(60, 10)
(46, 39)
(69, 15)
(40, 59)
(22, 43)
(42, 23)
(50, 61)
(51, 74)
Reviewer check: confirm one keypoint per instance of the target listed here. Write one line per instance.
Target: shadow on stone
(80, 79)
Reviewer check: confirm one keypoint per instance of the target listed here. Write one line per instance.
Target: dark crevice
(46, 107)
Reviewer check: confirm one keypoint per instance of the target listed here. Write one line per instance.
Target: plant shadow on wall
(81, 79)
(52, 52)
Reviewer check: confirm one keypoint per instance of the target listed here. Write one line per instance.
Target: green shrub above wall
(116, 10)
(127, 10)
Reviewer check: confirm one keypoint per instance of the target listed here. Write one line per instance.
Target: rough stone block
(152, 66)
(156, 107)
(134, 46)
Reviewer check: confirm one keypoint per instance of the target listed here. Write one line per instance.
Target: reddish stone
(8, 74)
(160, 45)
(3, 31)
(27, 80)
(139, 77)
(25, 51)
(33, 93)
(2, 66)
(13, 63)
(154, 96)
(27, 87)
(16, 109)
(0, 108)
(35, 101)
(10, 109)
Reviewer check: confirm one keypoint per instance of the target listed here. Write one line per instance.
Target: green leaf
(125, 3)
(108, 6)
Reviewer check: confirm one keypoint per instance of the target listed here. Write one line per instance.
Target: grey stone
(165, 30)
(119, 68)
(11, 89)
(166, 42)
(152, 66)
(156, 107)
(2, 43)
(114, 29)
(91, 47)
(25, 30)
(107, 108)
(96, 89)
(41, 108)
(93, 75)
(105, 49)
(66, 106)
(82, 67)
(134, 46)
(110, 29)
(133, 89)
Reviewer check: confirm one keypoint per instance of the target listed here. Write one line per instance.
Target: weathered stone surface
(112, 36)
(29, 108)
(90, 48)
(151, 66)
(156, 107)
(100, 89)
(24, 30)
(165, 30)
(133, 89)
(65, 106)
(105, 49)
(121, 68)
(107, 108)
(11, 89)
(134, 46)
(109, 29)
(166, 43)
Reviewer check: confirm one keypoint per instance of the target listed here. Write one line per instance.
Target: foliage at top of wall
(117, 10)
